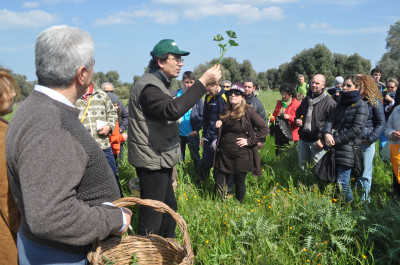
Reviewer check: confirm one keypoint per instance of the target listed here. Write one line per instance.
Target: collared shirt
(53, 94)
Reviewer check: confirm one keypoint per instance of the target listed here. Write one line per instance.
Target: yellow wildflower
(364, 256)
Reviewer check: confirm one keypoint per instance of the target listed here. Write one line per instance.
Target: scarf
(349, 98)
(311, 103)
(285, 104)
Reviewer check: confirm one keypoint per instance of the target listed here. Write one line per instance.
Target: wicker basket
(150, 249)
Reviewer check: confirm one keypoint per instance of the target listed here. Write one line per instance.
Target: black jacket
(320, 113)
(375, 123)
(213, 105)
(346, 125)
(256, 103)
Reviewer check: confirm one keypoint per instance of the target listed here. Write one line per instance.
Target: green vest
(151, 144)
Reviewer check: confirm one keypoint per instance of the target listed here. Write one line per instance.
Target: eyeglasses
(391, 87)
(236, 93)
(177, 60)
(108, 91)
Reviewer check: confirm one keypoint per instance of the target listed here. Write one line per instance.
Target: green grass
(287, 218)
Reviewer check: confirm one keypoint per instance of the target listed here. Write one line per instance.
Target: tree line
(308, 62)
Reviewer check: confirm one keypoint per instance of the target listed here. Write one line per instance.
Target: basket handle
(163, 208)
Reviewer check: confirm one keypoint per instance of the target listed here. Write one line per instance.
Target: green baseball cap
(167, 46)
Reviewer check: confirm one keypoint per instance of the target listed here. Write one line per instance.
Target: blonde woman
(236, 147)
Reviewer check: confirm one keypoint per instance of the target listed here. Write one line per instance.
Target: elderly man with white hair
(58, 174)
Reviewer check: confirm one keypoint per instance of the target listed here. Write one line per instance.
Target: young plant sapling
(224, 47)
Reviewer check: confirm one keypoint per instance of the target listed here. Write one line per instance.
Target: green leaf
(233, 43)
(231, 34)
(218, 38)
(223, 46)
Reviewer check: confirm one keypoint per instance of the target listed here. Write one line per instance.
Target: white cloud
(244, 13)
(302, 26)
(319, 26)
(127, 17)
(30, 4)
(29, 19)
(217, 3)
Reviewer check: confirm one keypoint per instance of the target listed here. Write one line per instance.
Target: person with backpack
(214, 103)
(301, 88)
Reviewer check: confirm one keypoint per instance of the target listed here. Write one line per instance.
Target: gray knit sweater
(59, 177)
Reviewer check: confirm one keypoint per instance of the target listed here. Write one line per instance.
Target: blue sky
(270, 32)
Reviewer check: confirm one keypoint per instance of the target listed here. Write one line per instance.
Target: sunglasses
(226, 86)
(391, 87)
(236, 93)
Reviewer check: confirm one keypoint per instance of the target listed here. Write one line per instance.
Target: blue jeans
(364, 182)
(32, 253)
(194, 148)
(307, 152)
(343, 181)
(111, 161)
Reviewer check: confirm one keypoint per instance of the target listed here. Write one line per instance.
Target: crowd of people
(61, 150)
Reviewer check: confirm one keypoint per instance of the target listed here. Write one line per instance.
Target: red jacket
(116, 139)
(291, 111)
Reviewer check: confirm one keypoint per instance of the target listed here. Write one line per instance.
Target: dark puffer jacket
(346, 125)
(375, 124)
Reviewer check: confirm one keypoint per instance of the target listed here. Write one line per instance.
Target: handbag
(283, 128)
(325, 169)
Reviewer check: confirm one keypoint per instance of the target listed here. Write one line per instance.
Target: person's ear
(81, 75)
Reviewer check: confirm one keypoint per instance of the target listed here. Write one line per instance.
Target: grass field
(287, 218)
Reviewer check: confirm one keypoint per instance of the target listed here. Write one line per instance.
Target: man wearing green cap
(153, 131)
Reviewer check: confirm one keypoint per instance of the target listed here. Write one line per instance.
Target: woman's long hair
(235, 113)
(7, 80)
(367, 83)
